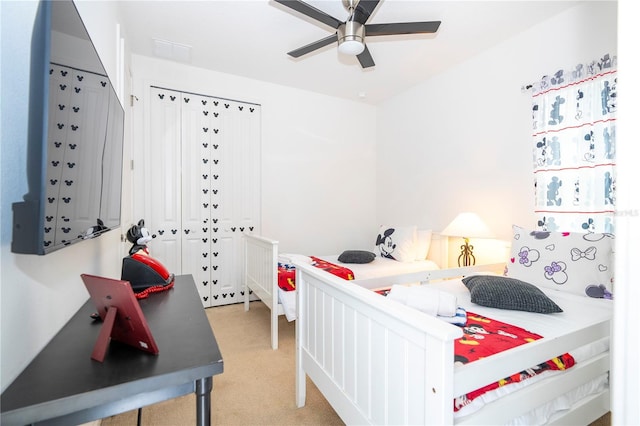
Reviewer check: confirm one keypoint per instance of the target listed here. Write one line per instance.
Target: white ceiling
(250, 38)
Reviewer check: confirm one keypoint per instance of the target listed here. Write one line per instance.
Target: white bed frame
(382, 364)
(261, 272)
(261, 277)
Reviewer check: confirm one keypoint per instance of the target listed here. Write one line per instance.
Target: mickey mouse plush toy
(139, 236)
(144, 273)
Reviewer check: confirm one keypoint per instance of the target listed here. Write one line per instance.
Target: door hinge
(133, 98)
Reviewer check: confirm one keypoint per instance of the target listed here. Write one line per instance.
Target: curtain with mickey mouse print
(574, 135)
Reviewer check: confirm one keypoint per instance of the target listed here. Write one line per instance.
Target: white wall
(461, 141)
(318, 156)
(625, 376)
(39, 293)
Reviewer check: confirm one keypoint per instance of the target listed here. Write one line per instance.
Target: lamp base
(466, 257)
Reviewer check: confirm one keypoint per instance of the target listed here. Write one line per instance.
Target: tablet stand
(100, 348)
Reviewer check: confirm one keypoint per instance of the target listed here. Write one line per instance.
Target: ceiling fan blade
(310, 11)
(365, 58)
(364, 9)
(313, 46)
(402, 28)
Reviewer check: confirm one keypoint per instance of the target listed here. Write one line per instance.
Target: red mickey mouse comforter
(287, 273)
(484, 337)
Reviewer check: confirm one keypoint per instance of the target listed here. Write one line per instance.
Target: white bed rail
(429, 276)
(261, 277)
(380, 363)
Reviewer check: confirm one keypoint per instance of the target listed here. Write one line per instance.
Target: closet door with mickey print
(157, 176)
(203, 191)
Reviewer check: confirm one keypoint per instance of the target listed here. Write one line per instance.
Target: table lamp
(467, 225)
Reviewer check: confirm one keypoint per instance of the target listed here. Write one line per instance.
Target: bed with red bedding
(287, 272)
(275, 285)
(378, 361)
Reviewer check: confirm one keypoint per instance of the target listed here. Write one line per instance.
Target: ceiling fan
(350, 34)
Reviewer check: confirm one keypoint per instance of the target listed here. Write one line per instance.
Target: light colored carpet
(258, 383)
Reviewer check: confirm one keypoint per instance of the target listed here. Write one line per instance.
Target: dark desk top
(63, 380)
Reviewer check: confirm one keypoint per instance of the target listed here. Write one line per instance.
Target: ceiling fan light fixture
(351, 47)
(350, 34)
(351, 38)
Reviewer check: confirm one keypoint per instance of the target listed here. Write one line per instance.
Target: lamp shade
(467, 225)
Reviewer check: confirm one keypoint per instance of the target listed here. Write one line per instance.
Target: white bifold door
(197, 186)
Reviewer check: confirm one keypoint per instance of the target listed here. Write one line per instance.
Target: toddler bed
(261, 258)
(380, 362)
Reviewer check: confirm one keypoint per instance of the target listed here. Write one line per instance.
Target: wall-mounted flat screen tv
(75, 138)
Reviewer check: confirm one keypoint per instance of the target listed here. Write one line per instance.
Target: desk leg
(203, 401)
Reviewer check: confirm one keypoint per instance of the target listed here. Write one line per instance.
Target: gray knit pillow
(508, 293)
(356, 256)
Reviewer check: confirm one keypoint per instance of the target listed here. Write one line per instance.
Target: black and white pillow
(396, 242)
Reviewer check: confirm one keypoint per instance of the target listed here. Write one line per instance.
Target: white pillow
(396, 242)
(568, 261)
(423, 242)
(291, 258)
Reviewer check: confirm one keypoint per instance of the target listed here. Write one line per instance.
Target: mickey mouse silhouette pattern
(553, 192)
(574, 138)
